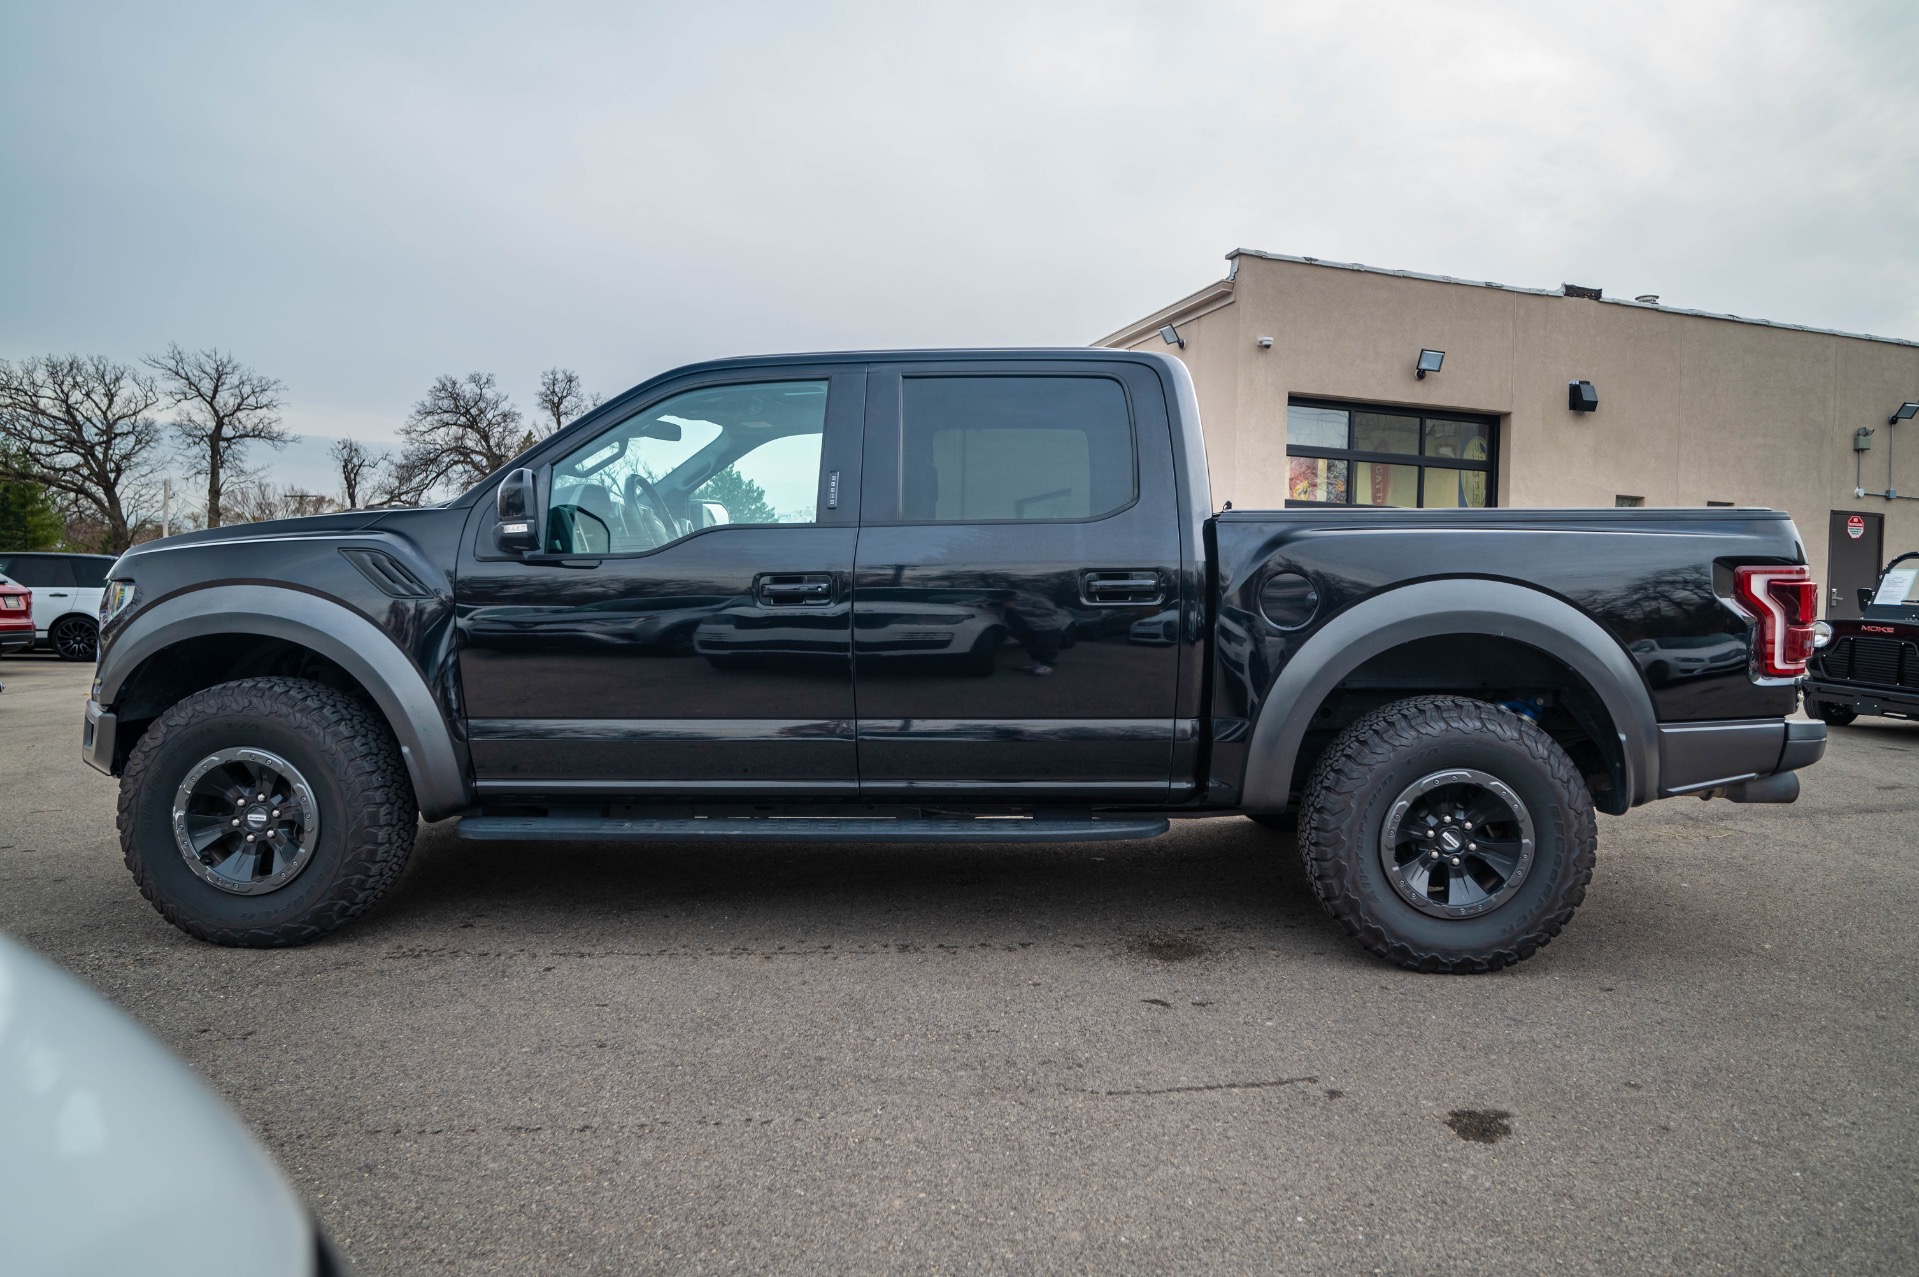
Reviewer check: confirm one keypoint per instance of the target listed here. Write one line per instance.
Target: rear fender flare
(336, 632)
(1433, 609)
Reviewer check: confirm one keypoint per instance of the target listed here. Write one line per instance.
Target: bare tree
(358, 465)
(253, 501)
(462, 431)
(221, 406)
(561, 399)
(85, 429)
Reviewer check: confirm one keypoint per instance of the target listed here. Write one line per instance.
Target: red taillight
(1785, 602)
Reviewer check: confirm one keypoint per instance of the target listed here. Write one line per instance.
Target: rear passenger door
(1016, 585)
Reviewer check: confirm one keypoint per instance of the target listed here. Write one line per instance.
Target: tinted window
(38, 570)
(90, 573)
(980, 449)
(723, 454)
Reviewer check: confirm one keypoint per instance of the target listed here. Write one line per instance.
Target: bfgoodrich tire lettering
(1348, 801)
(360, 789)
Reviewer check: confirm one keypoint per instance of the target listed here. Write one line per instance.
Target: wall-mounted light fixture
(1581, 397)
(1429, 361)
(1861, 441)
(1170, 335)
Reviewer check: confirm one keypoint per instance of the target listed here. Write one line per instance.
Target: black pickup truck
(975, 596)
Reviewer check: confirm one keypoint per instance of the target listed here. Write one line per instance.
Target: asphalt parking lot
(1154, 1057)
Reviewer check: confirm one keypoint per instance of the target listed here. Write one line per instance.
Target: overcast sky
(355, 198)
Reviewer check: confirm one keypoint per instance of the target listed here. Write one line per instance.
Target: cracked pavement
(1148, 1057)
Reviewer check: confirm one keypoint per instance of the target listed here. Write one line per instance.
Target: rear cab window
(987, 449)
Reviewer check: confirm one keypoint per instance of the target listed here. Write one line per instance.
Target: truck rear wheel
(1447, 834)
(1835, 714)
(265, 812)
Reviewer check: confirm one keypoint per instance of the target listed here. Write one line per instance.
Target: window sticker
(1896, 587)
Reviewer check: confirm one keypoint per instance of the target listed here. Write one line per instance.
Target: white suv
(66, 598)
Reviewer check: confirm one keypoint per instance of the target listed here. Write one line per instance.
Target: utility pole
(166, 507)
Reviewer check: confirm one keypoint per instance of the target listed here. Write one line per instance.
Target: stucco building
(1307, 381)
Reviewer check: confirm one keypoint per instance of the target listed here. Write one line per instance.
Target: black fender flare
(336, 632)
(1432, 609)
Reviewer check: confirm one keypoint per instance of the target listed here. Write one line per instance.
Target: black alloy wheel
(74, 638)
(1448, 834)
(266, 812)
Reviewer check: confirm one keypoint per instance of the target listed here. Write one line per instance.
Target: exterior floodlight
(1581, 397)
(1429, 361)
(1170, 335)
(1905, 412)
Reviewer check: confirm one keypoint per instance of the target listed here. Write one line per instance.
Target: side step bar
(804, 829)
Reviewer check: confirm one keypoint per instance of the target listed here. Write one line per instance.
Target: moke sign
(1856, 527)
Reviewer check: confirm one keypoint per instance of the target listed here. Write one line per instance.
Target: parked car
(16, 619)
(1443, 697)
(66, 598)
(1871, 665)
(16, 616)
(115, 1158)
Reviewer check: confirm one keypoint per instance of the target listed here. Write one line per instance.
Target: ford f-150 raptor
(967, 596)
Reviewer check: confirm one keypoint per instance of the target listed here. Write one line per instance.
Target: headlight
(117, 598)
(1821, 634)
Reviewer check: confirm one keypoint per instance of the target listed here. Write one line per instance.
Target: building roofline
(1191, 306)
(1552, 292)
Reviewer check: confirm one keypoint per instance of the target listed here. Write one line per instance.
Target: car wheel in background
(1448, 834)
(265, 812)
(1837, 715)
(74, 638)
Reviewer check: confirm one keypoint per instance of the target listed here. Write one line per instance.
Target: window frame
(1420, 461)
(894, 435)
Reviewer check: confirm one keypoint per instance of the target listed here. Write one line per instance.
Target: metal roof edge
(1213, 295)
(1560, 292)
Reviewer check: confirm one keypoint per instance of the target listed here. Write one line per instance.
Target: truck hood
(316, 524)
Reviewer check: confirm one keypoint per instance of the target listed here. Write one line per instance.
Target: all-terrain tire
(1373, 761)
(367, 814)
(1837, 715)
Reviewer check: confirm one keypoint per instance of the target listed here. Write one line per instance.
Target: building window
(1358, 455)
(1628, 503)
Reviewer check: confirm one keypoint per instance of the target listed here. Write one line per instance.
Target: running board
(804, 829)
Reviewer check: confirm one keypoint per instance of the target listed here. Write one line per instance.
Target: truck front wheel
(265, 812)
(1448, 834)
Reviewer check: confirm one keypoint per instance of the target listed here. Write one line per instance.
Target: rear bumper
(96, 738)
(1697, 758)
(15, 640)
(1866, 700)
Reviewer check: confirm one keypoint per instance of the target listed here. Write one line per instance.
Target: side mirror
(516, 501)
(1865, 598)
(713, 514)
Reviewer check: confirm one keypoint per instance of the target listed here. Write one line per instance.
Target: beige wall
(1692, 408)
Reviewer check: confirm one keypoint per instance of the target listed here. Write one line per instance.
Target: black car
(975, 596)
(1871, 665)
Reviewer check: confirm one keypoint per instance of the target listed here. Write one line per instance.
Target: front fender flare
(338, 633)
(1431, 609)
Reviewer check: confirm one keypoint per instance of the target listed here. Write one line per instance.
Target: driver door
(686, 628)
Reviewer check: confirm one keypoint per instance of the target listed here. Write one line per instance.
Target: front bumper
(1697, 758)
(97, 738)
(1866, 700)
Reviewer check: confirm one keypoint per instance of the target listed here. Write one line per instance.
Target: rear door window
(1008, 449)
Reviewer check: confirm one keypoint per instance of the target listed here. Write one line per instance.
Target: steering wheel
(654, 499)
